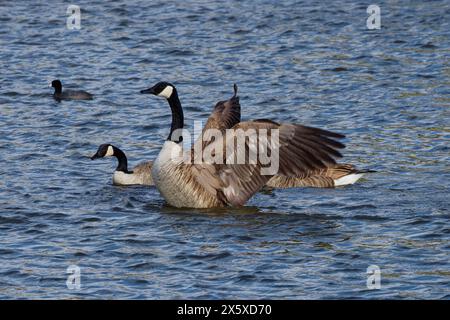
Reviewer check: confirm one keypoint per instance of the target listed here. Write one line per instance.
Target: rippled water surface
(299, 61)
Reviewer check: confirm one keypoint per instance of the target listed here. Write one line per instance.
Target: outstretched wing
(225, 115)
(301, 151)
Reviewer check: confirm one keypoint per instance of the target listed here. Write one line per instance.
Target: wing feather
(225, 115)
(302, 152)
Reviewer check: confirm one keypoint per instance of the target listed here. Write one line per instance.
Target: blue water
(299, 61)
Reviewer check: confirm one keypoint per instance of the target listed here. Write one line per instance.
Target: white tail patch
(348, 179)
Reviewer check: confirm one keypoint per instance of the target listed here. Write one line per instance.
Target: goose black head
(161, 89)
(105, 150)
(57, 85)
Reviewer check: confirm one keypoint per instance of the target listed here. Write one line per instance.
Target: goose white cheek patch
(109, 152)
(167, 92)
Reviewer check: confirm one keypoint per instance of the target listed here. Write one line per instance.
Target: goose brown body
(324, 178)
(321, 179)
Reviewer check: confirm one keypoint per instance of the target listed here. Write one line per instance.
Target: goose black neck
(177, 116)
(122, 158)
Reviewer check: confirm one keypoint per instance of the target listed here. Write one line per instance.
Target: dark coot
(69, 94)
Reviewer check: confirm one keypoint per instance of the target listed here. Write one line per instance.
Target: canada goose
(302, 151)
(334, 176)
(226, 114)
(141, 174)
(68, 94)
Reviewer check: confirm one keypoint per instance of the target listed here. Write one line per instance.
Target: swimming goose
(334, 176)
(302, 151)
(68, 94)
(226, 114)
(141, 174)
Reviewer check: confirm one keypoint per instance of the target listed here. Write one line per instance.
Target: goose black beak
(149, 90)
(95, 156)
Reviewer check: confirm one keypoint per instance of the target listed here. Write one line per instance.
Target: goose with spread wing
(302, 152)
